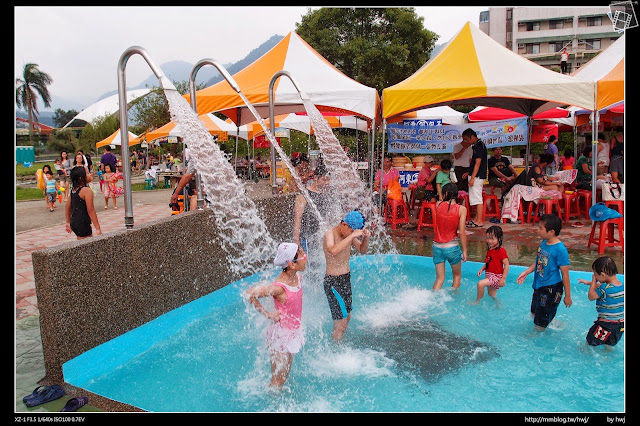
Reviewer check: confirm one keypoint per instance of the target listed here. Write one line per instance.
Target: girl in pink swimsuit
(285, 335)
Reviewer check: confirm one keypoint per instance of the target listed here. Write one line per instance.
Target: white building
(540, 33)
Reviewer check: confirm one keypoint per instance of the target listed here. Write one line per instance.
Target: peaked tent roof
(491, 113)
(107, 106)
(213, 124)
(607, 69)
(294, 121)
(474, 69)
(327, 87)
(115, 139)
(446, 113)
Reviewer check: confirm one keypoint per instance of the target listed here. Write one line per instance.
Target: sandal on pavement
(49, 393)
(472, 224)
(33, 394)
(74, 403)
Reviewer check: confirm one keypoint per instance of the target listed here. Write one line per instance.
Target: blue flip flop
(49, 393)
(33, 394)
(74, 403)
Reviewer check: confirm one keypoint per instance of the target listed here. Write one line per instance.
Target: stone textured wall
(121, 280)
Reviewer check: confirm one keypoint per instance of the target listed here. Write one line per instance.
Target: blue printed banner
(421, 139)
(422, 122)
(407, 177)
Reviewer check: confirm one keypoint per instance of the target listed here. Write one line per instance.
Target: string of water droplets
(243, 234)
(346, 186)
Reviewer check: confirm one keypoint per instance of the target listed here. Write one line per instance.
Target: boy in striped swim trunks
(337, 243)
(608, 292)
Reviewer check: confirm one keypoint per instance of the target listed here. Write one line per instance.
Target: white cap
(285, 254)
(427, 159)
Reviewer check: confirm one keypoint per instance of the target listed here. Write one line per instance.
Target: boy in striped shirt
(608, 292)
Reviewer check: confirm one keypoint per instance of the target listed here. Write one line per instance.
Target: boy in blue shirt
(551, 273)
(608, 292)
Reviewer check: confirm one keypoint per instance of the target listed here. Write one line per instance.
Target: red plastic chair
(396, 213)
(427, 215)
(605, 237)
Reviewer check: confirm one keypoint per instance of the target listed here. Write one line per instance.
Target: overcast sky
(79, 47)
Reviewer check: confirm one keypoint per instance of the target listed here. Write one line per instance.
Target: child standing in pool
(551, 273)
(337, 243)
(608, 292)
(496, 266)
(285, 335)
(448, 236)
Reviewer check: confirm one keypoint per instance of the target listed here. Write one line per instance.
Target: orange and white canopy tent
(115, 139)
(607, 70)
(213, 124)
(474, 69)
(327, 87)
(293, 121)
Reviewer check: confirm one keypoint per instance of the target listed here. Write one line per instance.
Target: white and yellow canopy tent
(115, 140)
(474, 69)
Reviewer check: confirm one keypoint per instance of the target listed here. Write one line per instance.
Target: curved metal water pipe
(272, 119)
(194, 104)
(166, 84)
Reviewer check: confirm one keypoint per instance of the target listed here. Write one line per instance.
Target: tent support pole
(528, 150)
(594, 146)
(372, 144)
(384, 129)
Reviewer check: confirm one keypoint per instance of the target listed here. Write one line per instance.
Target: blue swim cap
(354, 219)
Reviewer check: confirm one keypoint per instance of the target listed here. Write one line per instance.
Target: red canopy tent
(492, 114)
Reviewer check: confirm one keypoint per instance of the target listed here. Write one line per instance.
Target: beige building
(540, 33)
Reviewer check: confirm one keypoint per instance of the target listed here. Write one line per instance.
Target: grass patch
(23, 194)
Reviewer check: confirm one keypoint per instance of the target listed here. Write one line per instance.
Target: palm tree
(33, 80)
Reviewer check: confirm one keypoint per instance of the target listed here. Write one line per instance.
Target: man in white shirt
(462, 156)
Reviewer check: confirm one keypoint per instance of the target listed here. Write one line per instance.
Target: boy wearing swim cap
(337, 243)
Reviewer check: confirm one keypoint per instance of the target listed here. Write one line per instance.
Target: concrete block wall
(113, 283)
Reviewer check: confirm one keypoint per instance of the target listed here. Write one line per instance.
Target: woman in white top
(603, 155)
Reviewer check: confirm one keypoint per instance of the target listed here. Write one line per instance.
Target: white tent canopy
(446, 113)
(107, 106)
(328, 88)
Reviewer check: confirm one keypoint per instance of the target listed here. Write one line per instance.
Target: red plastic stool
(487, 210)
(584, 197)
(396, 213)
(570, 205)
(548, 204)
(605, 236)
(615, 205)
(423, 216)
(464, 200)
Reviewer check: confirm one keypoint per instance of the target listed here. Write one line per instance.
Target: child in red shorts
(496, 266)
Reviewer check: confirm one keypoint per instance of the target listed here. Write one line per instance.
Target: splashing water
(349, 188)
(274, 143)
(243, 234)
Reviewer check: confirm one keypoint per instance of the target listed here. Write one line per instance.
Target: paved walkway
(38, 239)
